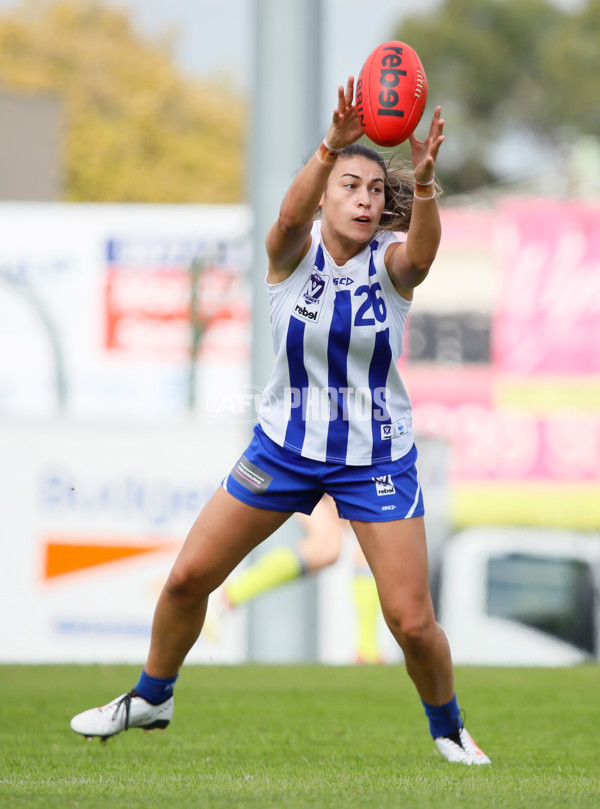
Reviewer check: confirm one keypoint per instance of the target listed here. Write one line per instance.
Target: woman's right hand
(345, 127)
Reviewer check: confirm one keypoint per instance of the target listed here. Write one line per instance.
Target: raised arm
(288, 239)
(408, 262)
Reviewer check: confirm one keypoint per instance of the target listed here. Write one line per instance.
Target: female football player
(341, 286)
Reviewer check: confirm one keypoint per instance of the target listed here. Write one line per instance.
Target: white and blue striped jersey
(335, 393)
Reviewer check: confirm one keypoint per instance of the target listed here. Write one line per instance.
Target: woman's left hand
(424, 153)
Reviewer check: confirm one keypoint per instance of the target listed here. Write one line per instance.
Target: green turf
(305, 736)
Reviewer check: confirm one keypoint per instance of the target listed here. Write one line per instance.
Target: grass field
(303, 736)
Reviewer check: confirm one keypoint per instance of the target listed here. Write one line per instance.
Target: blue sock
(443, 719)
(155, 689)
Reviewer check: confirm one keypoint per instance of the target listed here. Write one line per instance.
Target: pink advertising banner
(547, 318)
(494, 443)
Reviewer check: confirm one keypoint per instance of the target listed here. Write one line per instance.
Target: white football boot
(461, 749)
(124, 712)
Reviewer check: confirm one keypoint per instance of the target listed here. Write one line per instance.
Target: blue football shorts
(274, 478)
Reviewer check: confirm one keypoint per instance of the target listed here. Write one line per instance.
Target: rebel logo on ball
(391, 93)
(390, 77)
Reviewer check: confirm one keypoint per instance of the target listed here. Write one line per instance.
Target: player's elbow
(418, 271)
(289, 223)
(417, 279)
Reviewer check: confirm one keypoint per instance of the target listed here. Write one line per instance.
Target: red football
(391, 93)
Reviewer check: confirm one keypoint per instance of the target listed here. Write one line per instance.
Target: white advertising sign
(120, 327)
(92, 520)
(103, 307)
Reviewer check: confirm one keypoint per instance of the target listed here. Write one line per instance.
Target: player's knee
(185, 585)
(413, 630)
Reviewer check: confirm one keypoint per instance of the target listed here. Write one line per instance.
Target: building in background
(30, 163)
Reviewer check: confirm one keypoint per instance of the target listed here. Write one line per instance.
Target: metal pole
(286, 111)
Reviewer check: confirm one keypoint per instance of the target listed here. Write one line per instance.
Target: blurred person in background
(320, 547)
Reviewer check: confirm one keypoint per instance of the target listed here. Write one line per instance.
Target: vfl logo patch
(308, 304)
(395, 430)
(316, 285)
(384, 485)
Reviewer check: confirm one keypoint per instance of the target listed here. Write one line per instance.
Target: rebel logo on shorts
(308, 303)
(384, 485)
(250, 476)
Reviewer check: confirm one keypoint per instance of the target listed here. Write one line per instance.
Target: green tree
(570, 64)
(135, 129)
(505, 66)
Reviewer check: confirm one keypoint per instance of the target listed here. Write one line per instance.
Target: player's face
(354, 199)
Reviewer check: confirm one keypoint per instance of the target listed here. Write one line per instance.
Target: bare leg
(397, 554)
(224, 533)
